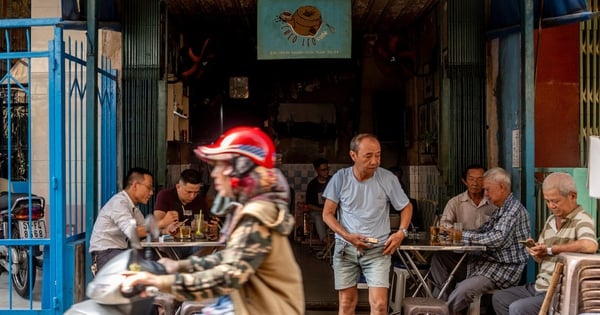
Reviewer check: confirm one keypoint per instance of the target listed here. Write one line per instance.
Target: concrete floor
(11, 300)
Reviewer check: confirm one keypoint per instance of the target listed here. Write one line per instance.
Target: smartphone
(527, 243)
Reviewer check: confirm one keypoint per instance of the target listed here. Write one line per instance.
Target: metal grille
(141, 75)
(466, 74)
(589, 120)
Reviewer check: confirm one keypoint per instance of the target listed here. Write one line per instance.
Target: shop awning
(505, 15)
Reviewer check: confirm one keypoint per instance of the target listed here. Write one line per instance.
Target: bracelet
(549, 251)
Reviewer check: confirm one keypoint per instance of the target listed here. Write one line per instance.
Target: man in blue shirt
(363, 193)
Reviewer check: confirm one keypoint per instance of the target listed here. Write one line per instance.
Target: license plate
(38, 229)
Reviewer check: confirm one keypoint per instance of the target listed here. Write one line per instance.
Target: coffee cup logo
(304, 25)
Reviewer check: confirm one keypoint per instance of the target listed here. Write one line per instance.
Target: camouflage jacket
(257, 267)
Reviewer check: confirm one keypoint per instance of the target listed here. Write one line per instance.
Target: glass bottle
(199, 223)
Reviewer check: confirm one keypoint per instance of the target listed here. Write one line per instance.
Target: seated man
(110, 234)
(569, 229)
(472, 209)
(174, 205)
(314, 196)
(501, 265)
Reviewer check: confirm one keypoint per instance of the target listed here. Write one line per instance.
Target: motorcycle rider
(256, 272)
(109, 235)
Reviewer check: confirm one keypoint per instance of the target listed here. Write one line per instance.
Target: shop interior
(311, 107)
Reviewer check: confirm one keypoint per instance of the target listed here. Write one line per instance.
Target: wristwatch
(404, 231)
(549, 251)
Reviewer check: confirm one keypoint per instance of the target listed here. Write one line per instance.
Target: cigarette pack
(371, 240)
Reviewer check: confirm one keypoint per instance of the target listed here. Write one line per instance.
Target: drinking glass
(185, 232)
(457, 233)
(433, 233)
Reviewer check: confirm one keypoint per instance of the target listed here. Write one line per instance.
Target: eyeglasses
(150, 188)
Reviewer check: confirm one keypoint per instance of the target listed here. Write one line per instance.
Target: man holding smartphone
(528, 243)
(569, 229)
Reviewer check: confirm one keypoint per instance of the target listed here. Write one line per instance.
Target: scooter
(21, 217)
(107, 297)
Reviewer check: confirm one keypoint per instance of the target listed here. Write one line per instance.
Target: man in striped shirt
(569, 229)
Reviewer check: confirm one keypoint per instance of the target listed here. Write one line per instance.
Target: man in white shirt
(110, 235)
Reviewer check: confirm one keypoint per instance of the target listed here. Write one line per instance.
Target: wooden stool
(424, 305)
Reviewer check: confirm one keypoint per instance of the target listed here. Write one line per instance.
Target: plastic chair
(397, 289)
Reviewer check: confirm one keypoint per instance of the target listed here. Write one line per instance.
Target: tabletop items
(439, 235)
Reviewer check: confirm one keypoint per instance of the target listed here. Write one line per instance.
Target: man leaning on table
(110, 234)
(472, 209)
(171, 203)
(568, 229)
(501, 265)
(174, 205)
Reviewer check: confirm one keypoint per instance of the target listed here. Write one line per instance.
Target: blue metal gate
(45, 137)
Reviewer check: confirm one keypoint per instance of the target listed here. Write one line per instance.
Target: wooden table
(411, 248)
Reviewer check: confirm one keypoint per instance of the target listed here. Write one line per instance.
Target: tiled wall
(423, 179)
(299, 175)
(424, 182)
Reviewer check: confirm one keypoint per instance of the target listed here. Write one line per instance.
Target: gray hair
(355, 142)
(498, 175)
(564, 182)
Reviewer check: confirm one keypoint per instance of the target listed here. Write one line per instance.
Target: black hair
(190, 176)
(318, 162)
(136, 174)
(472, 167)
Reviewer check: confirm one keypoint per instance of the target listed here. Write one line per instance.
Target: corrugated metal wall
(466, 124)
(141, 29)
(589, 121)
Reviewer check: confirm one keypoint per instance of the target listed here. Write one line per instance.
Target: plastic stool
(424, 305)
(397, 289)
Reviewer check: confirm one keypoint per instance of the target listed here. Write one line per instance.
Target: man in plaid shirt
(504, 260)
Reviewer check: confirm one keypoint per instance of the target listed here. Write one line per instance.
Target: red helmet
(250, 142)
